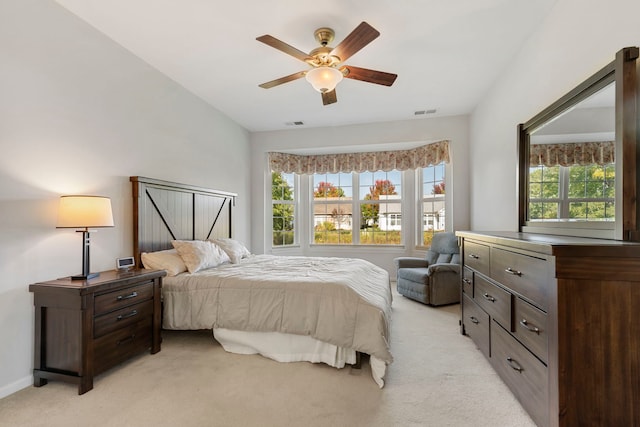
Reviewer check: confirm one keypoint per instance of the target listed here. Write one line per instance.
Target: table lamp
(84, 212)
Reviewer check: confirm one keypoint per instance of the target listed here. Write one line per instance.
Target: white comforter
(342, 301)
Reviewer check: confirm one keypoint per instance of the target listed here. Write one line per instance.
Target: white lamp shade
(84, 212)
(324, 79)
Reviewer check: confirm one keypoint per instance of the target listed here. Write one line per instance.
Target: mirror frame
(625, 72)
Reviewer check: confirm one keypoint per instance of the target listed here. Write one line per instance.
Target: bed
(314, 309)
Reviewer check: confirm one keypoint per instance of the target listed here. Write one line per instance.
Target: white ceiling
(447, 53)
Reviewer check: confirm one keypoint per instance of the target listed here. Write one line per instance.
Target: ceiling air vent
(294, 123)
(422, 112)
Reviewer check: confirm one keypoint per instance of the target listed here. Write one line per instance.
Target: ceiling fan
(327, 69)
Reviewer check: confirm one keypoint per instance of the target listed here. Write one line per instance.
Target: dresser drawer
(531, 328)
(124, 297)
(467, 282)
(493, 299)
(476, 324)
(118, 346)
(476, 256)
(525, 375)
(526, 275)
(119, 319)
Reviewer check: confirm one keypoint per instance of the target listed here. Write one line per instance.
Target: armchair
(435, 279)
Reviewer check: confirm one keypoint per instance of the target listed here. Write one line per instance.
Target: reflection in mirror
(572, 163)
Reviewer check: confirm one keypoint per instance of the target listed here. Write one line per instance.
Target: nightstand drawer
(124, 297)
(120, 345)
(476, 256)
(494, 300)
(118, 319)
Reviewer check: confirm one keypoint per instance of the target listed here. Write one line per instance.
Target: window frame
(295, 186)
(564, 200)
(421, 200)
(356, 204)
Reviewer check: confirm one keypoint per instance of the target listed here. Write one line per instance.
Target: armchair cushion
(415, 274)
(443, 267)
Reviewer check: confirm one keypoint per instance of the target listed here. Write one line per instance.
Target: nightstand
(84, 327)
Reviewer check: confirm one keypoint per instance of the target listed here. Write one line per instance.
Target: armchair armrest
(444, 267)
(410, 262)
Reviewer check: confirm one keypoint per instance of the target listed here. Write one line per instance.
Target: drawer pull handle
(126, 316)
(126, 340)
(474, 256)
(131, 295)
(467, 281)
(528, 327)
(512, 271)
(488, 297)
(474, 320)
(514, 365)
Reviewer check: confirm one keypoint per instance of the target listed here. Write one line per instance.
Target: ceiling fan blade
(356, 40)
(283, 47)
(370, 76)
(329, 97)
(284, 79)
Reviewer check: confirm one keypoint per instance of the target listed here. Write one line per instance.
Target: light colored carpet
(438, 378)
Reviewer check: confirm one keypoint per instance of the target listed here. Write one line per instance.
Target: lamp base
(85, 277)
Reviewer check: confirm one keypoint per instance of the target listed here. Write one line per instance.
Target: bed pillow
(168, 260)
(233, 248)
(200, 254)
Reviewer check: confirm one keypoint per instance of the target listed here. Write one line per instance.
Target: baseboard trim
(16, 386)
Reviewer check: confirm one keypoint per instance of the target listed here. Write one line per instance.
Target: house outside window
(283, 209)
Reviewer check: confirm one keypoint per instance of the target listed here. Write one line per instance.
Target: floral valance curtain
(420, 157)
(574, 153)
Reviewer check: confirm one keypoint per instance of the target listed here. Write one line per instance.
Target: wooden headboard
(164, 211)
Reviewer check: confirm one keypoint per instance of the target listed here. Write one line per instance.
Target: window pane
(433, 180)
(332, 186)
(576, 190)
(540, 210)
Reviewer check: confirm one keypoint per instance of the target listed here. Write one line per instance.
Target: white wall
(368, 137)
(576, 40)
(79, 114)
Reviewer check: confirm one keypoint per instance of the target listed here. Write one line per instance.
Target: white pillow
(233, 248)
(168, 260)
(200, 254)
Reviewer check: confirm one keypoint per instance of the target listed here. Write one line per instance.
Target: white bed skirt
(293, 348)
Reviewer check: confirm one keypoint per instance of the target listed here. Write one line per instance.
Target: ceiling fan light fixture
(324, 79)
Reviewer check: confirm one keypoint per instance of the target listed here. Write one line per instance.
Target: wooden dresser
(559, 320)
(84, 327)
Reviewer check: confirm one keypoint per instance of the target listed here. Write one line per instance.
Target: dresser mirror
(577, 172)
